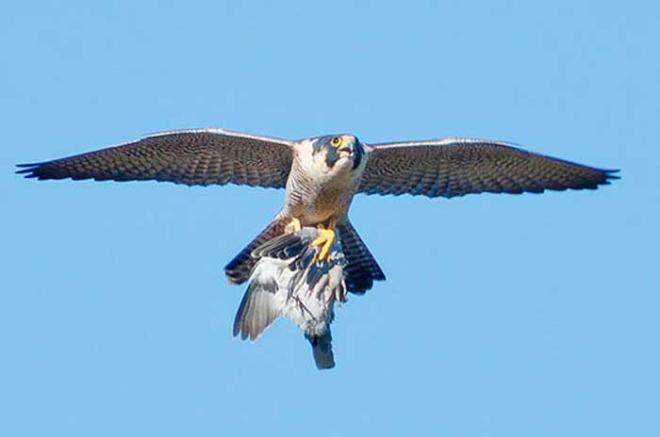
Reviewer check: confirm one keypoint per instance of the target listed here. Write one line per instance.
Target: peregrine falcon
(321, 175)
(286, 282)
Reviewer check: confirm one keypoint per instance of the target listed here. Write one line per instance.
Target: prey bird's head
(334, 153)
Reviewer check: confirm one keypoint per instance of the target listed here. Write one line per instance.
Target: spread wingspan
(191, 157)
(458, 166)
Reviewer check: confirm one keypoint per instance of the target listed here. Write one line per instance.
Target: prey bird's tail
(238, 269)
(322, 350)
(362, 269)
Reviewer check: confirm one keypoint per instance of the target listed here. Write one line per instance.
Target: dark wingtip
(608, 176)
(37, 170)
(611, 174)
(29, 170)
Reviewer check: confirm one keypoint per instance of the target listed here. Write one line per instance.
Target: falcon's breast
(325, 174)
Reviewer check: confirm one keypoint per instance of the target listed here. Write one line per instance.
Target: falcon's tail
(238, 269)
(322, 350)
(362, 269)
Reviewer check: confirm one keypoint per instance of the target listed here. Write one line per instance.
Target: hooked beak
(347, 144)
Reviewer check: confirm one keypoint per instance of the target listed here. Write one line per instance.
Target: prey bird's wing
(458, 166)
(191, 157)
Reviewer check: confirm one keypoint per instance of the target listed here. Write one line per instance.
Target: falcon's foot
(293, 226)
(325, 239)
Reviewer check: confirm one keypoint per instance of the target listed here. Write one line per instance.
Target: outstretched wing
(191, 157)
(458, 166)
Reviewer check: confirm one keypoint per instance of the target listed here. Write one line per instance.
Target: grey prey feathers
(287, 281)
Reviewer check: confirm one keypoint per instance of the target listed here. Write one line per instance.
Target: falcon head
(337, 153)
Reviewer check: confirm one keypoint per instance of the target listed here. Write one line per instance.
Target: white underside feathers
(288, 282)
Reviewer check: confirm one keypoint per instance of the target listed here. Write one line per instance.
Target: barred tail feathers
(239, 268)
(362, 269)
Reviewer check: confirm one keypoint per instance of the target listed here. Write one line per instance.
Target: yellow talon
(325, 239)
(293, 226)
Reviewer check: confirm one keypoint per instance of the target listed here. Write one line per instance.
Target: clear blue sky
(533, 315)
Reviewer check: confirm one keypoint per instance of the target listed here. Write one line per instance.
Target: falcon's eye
(336, 141)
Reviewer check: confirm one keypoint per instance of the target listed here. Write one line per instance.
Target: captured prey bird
(287, 281)
(321, 175)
